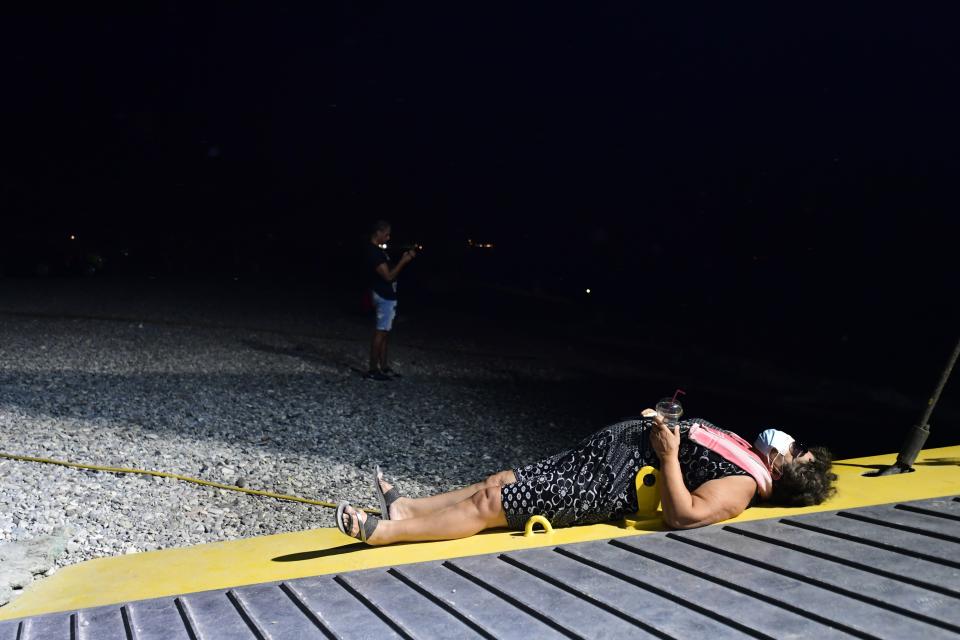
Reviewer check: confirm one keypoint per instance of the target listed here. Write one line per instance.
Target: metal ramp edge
(874, 572)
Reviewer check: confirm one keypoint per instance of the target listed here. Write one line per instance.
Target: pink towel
(736, 450)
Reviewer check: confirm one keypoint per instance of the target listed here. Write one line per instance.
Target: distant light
(383, 246)
(73, 237)
(588, 291)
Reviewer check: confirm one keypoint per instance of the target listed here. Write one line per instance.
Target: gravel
(281, 407)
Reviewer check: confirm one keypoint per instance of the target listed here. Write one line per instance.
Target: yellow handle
(534, 520)
(648, 494)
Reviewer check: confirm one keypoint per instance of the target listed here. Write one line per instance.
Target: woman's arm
(711, 502)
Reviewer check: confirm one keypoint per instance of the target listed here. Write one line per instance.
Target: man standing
(383, 285)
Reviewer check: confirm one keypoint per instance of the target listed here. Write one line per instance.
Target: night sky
(791, 170)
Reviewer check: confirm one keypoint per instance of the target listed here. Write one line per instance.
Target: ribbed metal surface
(891, 571)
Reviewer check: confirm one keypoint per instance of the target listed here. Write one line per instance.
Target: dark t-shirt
(375, 256)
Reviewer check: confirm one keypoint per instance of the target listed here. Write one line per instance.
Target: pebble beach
(239, 388)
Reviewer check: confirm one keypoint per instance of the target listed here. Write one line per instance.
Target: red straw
(680, 392)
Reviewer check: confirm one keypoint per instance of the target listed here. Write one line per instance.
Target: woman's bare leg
(405, 508)
(482, 510)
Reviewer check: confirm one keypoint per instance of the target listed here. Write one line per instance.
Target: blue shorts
(386, 311)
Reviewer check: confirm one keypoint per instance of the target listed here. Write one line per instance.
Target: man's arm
(711, 502)
(391, 274)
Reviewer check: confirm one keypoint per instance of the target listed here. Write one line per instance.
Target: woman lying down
(707, 474)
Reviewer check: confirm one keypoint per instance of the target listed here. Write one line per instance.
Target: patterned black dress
(595, 481)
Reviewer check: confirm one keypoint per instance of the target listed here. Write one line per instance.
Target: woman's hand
(665, 441)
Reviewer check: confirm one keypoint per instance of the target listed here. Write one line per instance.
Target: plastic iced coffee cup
(670, 410)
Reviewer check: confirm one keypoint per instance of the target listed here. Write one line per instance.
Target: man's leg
(404, 508)
(383, 351)
(386, 324)
(482, 510)
(375, 349)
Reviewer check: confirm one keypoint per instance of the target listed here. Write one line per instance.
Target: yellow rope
(164, 474)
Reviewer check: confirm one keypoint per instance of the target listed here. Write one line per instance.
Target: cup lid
(669, 405)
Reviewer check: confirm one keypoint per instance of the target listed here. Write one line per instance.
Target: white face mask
(773, 439)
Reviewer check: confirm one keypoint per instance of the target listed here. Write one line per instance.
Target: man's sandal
(385, 499)
(365, 527)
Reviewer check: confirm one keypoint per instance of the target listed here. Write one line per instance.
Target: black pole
(918, 435)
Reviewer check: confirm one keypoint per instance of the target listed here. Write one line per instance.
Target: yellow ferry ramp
(324, 552)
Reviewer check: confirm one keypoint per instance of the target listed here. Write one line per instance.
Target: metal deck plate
(890, 571)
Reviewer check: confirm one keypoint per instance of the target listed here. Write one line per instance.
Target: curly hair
(805, 483)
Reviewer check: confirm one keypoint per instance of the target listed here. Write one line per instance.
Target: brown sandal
(365, 528)
(385, 499)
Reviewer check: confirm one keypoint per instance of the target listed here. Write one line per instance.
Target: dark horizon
(620, 122)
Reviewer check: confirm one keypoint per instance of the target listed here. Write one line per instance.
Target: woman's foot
(356, 524)
(392, 504)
